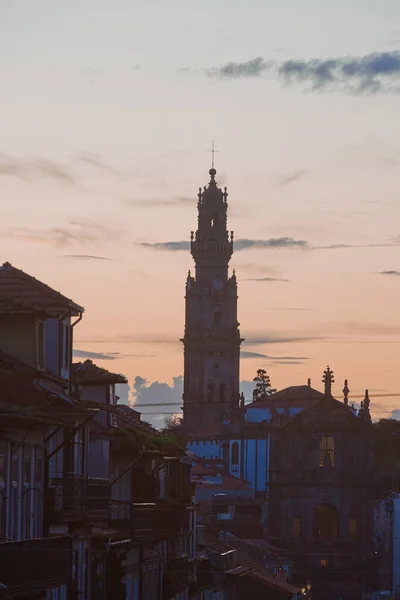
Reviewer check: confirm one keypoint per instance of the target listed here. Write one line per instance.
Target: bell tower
(212, 337)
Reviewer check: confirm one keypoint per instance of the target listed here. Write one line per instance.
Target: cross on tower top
(213, 151)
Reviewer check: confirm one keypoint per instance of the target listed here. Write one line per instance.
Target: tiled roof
(89, 373)
(33, 295)
(129, 418)
(294, 393)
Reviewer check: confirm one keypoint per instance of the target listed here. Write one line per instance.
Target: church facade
(306, 455)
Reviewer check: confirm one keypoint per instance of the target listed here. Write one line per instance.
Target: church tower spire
(212, 338)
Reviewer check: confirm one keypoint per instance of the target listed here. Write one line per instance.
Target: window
(66, 346)
(235, 456)
(3, 461)
(222, 392)
(210, 392)
(323, 563)
(217, 319)
(353, 529)
(40, 344)
(297, 528)
(326, 522)
(327, 452)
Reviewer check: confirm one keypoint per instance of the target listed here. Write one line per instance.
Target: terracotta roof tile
(88, 373)
(33, 295)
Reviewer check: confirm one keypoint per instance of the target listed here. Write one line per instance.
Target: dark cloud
(291, 177)
(241, 244)
(369, 74)
(86, 354)
(169, 246)
(287, 362)
(34, 168)
(73, 233)
(232, 70)
(366, 74)
(265, 279)
(391, 273)
(244, 354)
(395, 242)
(96, 355)
(86, 257)
(277, 339)
(96, 162)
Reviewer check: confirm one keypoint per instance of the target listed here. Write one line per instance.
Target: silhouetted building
(212, 338)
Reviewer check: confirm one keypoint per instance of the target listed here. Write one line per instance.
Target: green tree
(263, 385)
(173, 427)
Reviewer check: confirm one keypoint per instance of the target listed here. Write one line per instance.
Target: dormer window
(40, 345)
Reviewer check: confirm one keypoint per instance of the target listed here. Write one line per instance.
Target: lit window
(327, 451)
(323, 563)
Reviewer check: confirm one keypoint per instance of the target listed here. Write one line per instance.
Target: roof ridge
(44, 286)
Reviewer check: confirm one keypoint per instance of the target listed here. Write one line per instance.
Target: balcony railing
(67, 496)
(31, 566)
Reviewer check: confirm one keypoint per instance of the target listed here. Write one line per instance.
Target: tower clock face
(218, 285)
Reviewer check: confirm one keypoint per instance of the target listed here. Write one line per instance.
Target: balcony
(138, 518)
(66, 497)
(30, 567)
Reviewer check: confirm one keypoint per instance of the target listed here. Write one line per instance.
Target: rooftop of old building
(21, 293)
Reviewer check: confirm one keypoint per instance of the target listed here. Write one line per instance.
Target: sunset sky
(108, 109)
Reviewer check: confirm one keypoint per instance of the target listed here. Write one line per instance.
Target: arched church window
(222, 392)
(235, 456)
(217, 319)
(326, 522)
(210, 392)
(327, 451)
(297, 528)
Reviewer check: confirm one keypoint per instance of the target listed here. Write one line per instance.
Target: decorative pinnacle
(346, 392)
(328, 379)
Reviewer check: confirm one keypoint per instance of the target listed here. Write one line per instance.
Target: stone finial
(328, 379)
(309, 382)
(346, 392)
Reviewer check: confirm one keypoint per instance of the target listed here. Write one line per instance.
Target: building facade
(94, 504)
